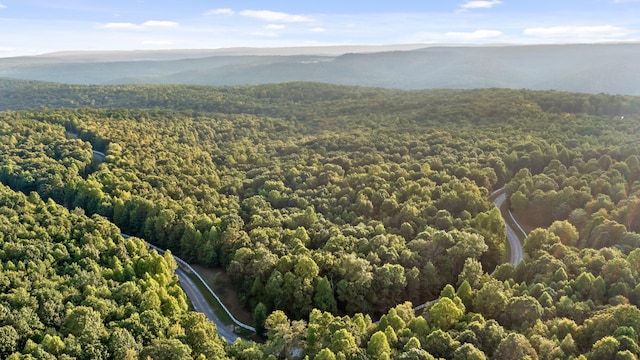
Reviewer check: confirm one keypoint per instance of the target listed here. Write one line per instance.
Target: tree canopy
(329, 207)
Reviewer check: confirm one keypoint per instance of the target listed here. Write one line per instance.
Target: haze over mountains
(591, 68)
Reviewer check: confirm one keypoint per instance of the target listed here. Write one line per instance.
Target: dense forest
(72, 287)
(329, 206)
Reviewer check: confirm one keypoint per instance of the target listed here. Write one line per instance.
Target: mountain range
(589, 68)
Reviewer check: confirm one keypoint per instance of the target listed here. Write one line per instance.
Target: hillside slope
(594, 68)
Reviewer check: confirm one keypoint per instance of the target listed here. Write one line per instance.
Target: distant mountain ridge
(590, 68)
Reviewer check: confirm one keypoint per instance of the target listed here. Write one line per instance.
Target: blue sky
(29, 27)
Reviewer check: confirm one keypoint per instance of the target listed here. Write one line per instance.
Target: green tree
(259, 317)
(378, 346)
(472, 273)
(84, 323)
(325, 354)
(468, 352)
(467, 245)
(389, 281)
(490, 300)
(567, 233)
(605, 348)
(440, 344)
(9, 338)
(356, 283)
(324, 298)
(413, 343)
(166, 349)
(445, 313)
(53, 344)
(515, 346)
(521, 311)
(342, 342)
(465, 293)
(122, 344)
(200, 335)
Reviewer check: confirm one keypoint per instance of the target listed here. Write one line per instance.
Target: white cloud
(157, 23)
(3, 6)
(479, 5)
(274, 16)
(474, 35)
(275, 27)
(318, 29)
(223, 11)
(588, 32)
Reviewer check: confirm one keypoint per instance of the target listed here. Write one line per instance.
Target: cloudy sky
(29, 27)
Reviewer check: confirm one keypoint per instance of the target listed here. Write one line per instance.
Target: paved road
(512, 237)
(200, 304)
(99, 155)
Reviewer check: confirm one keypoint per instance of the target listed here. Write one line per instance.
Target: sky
(31, 27)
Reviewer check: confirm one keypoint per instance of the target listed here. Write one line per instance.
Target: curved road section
(200, 304)
(198, 300)
(98, 155)
(512, 237)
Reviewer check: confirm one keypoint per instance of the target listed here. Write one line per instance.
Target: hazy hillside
(610, 68)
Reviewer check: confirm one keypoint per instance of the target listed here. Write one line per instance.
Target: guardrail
(517, 223)
(513, 219)
(186, 265)
(237, 322)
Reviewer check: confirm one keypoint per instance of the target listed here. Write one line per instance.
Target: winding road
(201, 304)
(512, 237)
(98, 155)
(197, 298)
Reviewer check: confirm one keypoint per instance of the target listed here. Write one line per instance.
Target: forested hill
(72, 288)
(328, 207)
(306, 100)
(591, 68)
